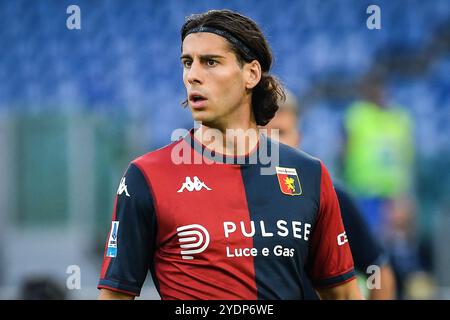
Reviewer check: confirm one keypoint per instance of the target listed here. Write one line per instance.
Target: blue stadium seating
(126, 56)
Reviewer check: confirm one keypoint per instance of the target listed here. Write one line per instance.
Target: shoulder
(308, 169)
(295, 156)
(160, 156)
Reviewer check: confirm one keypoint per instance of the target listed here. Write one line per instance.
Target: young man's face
(214, 80)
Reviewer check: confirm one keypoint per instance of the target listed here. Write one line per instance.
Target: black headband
(226, 35)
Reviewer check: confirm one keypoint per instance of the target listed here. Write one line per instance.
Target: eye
(211, 63)
(187, 63)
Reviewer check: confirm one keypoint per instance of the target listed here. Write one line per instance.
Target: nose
(194, 73)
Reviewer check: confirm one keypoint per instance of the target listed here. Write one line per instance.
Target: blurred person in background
(379, 152)
(235, 209)
(366, 249)
(378, 168)
(41, 288)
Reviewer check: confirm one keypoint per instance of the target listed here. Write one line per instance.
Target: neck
(238, 140)
(235, 134)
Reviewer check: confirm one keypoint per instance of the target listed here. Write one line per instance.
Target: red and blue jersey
(215, 227)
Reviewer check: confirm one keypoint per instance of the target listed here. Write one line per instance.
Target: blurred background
(77, 105)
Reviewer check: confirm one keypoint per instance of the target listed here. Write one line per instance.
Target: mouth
(197, 100)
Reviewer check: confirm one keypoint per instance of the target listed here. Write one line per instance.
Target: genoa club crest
(289, 181)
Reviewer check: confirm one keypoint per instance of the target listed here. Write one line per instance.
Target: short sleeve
(131, 240)
(330, 260)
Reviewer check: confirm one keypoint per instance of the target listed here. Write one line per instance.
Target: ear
(252, 74)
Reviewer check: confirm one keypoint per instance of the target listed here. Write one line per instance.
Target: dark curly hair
(268, 92)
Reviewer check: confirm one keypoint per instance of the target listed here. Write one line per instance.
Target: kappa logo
(190, 185)
(342, 238)
(122, 188)
(194, 238)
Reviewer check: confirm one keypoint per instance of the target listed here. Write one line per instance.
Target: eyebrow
(203, 57)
